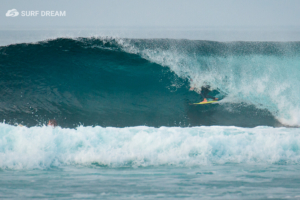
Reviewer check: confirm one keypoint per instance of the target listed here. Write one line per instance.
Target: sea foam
(46, 147)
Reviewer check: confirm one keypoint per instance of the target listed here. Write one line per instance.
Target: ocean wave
(47, 147)
(129, 82)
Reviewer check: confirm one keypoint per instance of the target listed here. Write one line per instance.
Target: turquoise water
(127, 129)
(229, 181)
(144, 163)
(131, 82)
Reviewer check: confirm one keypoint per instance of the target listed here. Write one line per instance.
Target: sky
(153, 14)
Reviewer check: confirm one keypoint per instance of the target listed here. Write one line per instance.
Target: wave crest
(45, 147)
(129, 82)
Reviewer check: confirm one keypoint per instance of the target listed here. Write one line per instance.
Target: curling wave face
(131, 82)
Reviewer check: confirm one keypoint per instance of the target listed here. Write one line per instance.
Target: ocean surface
(127, 125)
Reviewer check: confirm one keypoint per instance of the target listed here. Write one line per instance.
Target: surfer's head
(52, 122)
(205, 87)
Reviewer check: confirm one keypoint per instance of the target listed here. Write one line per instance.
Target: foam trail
(45, 147)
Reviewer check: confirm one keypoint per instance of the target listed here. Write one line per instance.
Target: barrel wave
(131, 82)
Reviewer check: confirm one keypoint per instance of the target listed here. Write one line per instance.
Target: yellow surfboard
(205, 102)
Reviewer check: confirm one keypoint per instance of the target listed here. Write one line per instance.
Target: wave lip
(45, 147)
(131, 82)
(263, 74)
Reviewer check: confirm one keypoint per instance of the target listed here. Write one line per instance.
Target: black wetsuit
(204, 92)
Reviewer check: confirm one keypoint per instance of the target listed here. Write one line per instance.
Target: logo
(12, 13)
(36, 13)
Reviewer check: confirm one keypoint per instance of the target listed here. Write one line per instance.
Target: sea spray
(131, 82)
(46, 147)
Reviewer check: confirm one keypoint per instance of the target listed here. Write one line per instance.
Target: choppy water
(208, 182)
(211, 162)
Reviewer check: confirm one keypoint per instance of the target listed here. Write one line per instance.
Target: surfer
(204, 93)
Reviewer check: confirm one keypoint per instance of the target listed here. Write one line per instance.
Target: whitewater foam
(45, 147)
(261, 74)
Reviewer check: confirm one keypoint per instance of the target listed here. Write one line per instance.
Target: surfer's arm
(192, 88)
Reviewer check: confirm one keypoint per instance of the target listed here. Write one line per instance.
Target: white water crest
(46, 147)
(268, 80)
